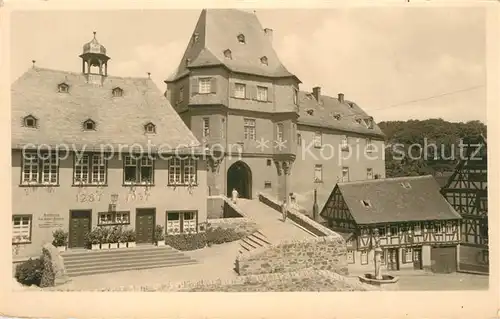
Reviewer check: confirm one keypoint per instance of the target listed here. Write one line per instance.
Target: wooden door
(443, 259)
(392, 259)
(79, 225)
(145, 225)
(417, 258)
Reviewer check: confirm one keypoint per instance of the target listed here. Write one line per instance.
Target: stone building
(241, 102)
(92, 149)
(418, 228)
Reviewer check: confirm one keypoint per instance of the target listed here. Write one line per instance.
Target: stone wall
(239, 224)
(321, 253)
(215, 207)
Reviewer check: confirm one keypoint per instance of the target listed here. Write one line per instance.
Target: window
(138, 170)
(261, 93)
(222, 127)
(344, 146)
(279, 132)
(228, 54)
(63, 88)
(263, 60)
(369, 145)
(350, 256)
(381, 231)
(182, 172)
(113, 218)
(181, 95)
(21, 228)
(394, 230)
(345, 174)
(89, 169)
(382, 256)
(269, 162)
(30, 121)
(299, 139)
(449, 227)
(318, 173)
(239, 90)
(89, 125)
(180, 222)
(206, 127)
(241, 38)
(417, 229)
(205, 86)
(150, 128)
(407, 255)
(364, 257)
(267, 184)
(295, 96)
(249, 129)
(317, 140)
(369, 173)
(117, 92)
(43, 169)
(438, 228)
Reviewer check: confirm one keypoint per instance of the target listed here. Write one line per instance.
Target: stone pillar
(213, 165)
(284, 168)
(426, 257)
(377, 259)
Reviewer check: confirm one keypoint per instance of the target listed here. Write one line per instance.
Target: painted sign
(50, 221)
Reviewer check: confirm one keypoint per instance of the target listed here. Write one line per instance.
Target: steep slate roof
(119, 120)
(218, 30)
(391, 202)
(325, 109)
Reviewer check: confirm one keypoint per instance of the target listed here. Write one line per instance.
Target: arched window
(89, 125)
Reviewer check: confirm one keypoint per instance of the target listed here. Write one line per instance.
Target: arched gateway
(239, 177)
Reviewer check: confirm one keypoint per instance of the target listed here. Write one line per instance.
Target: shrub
(186, 241)
(48, 277)
(94, 236)
(104, 233)
(220, 235)
(127, 236)
(159, 236)
(60, 238)
(115, 234)
(30, 272)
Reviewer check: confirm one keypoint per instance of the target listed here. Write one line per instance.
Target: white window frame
(40, 170)
(364, 257)
(369, 145)
(182, 171)
(182, 225)
(262, 93)
(249, 129)
(280, 132)
(90, 169)
(240, 90)
(350, 256)
(139, 163)
(113, 218)
(344, 145)
(206, 126)
(204, 85)
(318, 140)
(21, 233)
(369, 173)
(408, 255)
(318, 173)
(295, 96)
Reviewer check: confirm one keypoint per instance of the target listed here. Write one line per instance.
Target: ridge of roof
(387, 180)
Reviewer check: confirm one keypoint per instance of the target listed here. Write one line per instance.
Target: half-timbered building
(467, 191)
(417, 227)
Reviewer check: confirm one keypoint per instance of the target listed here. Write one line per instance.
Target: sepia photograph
(249, 150)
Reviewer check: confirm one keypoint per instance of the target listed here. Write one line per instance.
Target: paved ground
(270, 222)
(414, 280)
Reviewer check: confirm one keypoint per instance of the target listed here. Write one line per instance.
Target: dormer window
(263, 60)
(89, 125)
(30, 121)
(150, 128)
(196, 35)
(358, 120)
(366, 203)
(117, 92)
(228, 54)
(188, 61)
(310, 111)
(336, 116)
(63, 88)
(241, 38)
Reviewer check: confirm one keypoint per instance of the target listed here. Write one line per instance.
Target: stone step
(121, 259)
(124, 254)
(88, 252)
(113, 263)
(128, 267)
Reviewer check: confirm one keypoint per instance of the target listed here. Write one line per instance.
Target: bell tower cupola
(94, 61)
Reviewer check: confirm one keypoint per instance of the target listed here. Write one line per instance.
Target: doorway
(79, 225)
(444, 259)
(393, 259)
(239, 177)
(145, 225)
(417, 258)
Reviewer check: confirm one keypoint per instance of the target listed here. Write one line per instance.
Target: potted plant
(60, 239)
(159, 236)
(114, 237)
(130, 238)
(94, 238)
(104, 237)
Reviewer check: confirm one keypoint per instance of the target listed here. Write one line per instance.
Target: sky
(395, 63)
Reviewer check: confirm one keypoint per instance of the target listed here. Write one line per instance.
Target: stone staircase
(88, 262)
(253, 241)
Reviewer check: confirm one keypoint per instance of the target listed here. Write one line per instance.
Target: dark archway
(239, 177)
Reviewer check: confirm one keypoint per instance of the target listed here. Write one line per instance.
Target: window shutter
(213, 85)
(194, 86)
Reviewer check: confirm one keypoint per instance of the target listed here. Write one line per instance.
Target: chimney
(317, 92)
(149, 75)
(33, 61)
(341, 97)
(269, 33)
